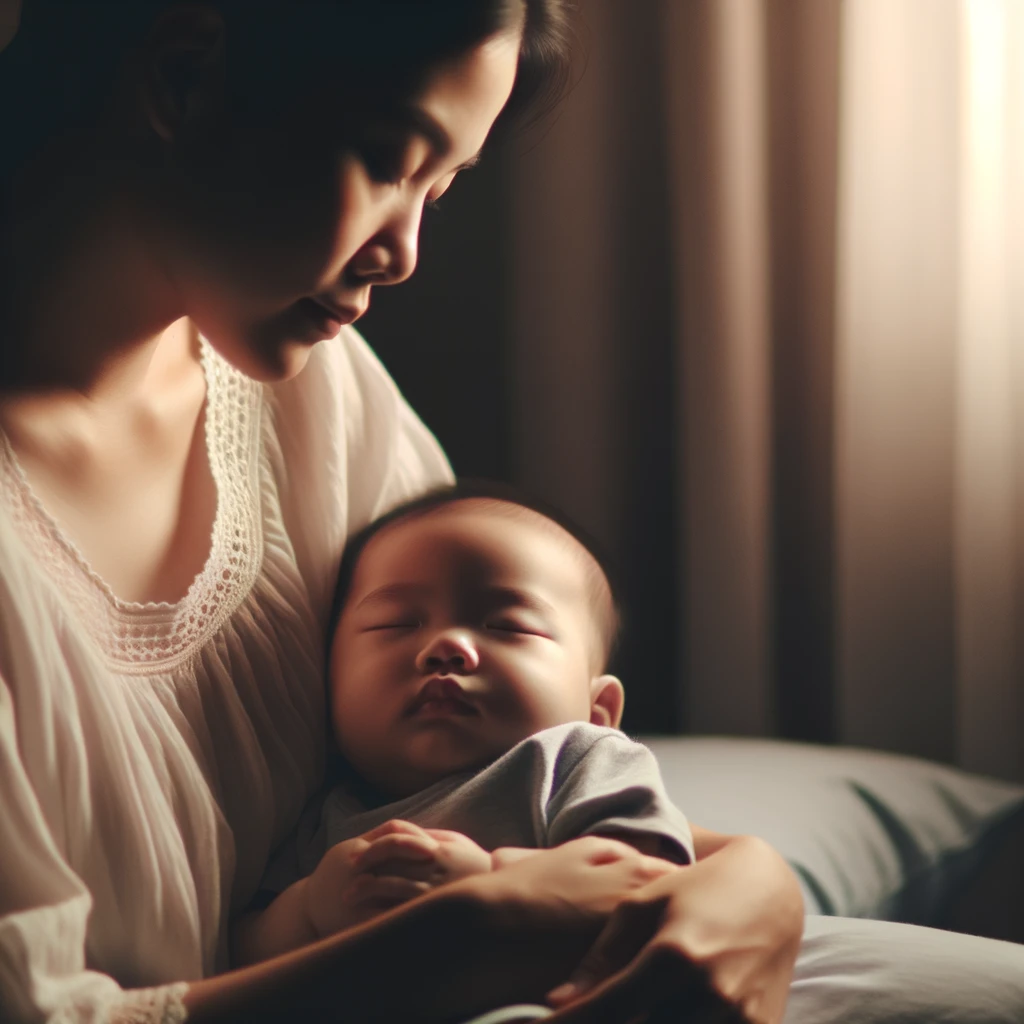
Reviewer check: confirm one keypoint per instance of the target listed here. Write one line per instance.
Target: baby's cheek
(354, 721)
(560, 702)
(523, 713)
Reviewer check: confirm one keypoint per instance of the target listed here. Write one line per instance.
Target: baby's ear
(606, 701)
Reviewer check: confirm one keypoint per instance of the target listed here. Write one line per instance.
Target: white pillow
(878, 972)
(869, 834)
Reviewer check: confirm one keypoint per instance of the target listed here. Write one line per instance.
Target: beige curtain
(930, 401)
(789, 235)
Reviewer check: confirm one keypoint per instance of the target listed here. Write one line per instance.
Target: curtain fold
(896, 320)
(714, 74)
(989, 452)
(768, 344)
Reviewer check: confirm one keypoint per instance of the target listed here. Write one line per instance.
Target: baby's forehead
(509, 530)
(515, 534)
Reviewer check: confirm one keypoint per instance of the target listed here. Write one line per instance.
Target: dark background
(443, 333)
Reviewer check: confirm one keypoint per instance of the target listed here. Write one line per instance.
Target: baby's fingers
(445, 835)
(390, 852)
(395, 826)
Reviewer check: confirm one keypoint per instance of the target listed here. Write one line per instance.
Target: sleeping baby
(472, 713)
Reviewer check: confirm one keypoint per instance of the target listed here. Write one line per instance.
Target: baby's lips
(442, 688)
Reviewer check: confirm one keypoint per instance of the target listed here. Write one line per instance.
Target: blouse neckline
(142, 637)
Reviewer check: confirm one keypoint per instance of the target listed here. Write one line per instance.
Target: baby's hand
(458, 857)
(384, 868)
(341, 892)
(441, 857)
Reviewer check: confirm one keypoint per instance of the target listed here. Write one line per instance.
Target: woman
(198, 199)
(169, 526)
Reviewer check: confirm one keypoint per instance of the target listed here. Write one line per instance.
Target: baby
(472, 713)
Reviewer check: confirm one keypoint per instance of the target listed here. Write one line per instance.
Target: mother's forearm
(390, 968)
(752, 897)
(756, 873)
(445, 956)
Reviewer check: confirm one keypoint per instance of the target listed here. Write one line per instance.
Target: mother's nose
(449, 650)
(390, 256)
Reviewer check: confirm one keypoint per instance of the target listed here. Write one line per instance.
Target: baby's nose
(449, 650)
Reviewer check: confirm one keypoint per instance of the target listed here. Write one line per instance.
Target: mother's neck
(86, 302)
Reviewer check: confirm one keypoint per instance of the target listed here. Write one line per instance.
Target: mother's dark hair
(66, 57)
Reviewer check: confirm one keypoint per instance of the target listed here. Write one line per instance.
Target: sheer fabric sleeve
(44, 905)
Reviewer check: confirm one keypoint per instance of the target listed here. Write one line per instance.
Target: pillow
(869, 834)
(877, 972)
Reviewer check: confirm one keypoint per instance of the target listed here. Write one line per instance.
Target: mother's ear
(183, 71)
(607, 698)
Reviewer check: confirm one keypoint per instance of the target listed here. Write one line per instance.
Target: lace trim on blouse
(163, 1005)
(158, 636)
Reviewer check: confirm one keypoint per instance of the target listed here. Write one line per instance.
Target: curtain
(767, 343)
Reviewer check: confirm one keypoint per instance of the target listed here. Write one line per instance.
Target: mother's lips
(343, 314)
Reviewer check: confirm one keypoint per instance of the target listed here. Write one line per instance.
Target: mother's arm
(719, 937)
(724, 932)
(505, 936)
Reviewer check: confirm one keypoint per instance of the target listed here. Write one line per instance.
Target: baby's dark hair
(499, 496)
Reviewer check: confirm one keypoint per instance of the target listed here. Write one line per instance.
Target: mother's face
(276, 237)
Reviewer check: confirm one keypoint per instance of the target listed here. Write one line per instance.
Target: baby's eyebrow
(522, 598)
(393, 592)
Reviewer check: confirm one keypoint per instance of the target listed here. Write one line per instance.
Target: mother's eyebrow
(435, 133)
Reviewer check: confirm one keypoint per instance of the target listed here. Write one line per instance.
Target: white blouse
(152, 756)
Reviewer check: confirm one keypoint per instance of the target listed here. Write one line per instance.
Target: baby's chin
(418, 774)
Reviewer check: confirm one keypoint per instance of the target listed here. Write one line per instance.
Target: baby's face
(465, 631)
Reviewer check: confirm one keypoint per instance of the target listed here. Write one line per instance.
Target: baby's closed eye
(517, 626)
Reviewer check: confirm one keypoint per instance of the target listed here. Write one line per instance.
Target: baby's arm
(282, 926)
(355, 881)
(647, 843)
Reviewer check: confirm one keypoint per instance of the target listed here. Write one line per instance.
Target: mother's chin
(276, 349)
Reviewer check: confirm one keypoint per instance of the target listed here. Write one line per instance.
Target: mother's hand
(572, 886)
(719, 939)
